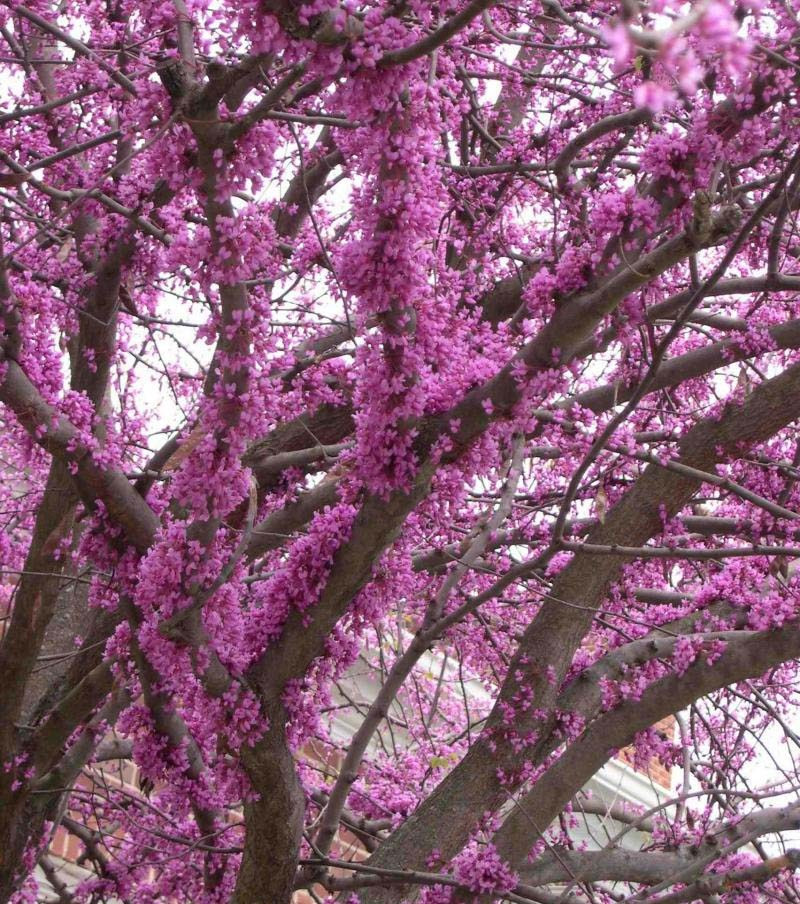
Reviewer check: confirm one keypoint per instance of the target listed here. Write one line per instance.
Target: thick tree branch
(473, 787)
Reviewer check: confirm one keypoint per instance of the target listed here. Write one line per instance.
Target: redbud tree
(424, 368)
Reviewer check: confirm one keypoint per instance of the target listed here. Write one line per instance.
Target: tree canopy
(399, 408)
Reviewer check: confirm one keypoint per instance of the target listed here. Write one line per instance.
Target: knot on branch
(332, 27)
(709, 228)
(700, 227)
(174, 78)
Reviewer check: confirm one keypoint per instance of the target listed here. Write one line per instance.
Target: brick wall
(657, 771)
